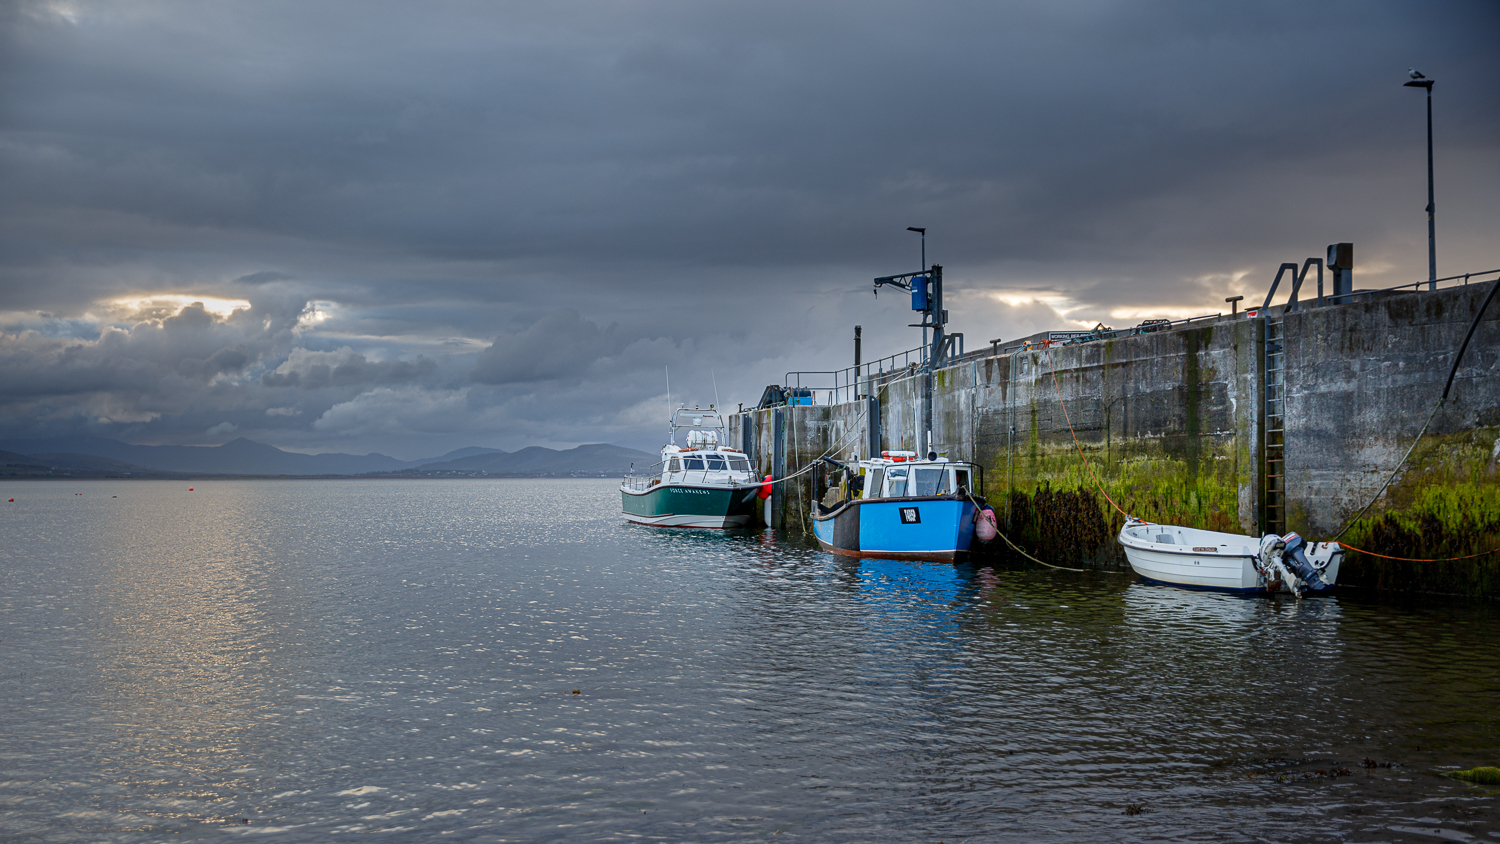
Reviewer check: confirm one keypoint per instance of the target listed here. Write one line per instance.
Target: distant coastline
(102, 459)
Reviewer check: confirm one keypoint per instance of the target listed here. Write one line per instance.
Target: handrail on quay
(855, 382)
(844, 385)
(1415, 286)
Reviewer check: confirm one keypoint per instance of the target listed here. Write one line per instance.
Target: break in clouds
(363, 226)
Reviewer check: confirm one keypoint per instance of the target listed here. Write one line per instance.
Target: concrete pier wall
(1164, 425)
(1171, 426)
(1362, 380)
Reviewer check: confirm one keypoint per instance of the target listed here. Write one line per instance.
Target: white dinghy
(1205, 559)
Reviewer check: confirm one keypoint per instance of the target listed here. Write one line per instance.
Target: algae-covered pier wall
(1274, 422)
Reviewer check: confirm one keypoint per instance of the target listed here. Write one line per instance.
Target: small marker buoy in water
(12, 499)
(190, 489)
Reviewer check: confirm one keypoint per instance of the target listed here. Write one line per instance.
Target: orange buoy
(765, 489)
(190, 489)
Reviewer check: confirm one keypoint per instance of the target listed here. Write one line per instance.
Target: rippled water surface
(508, 661)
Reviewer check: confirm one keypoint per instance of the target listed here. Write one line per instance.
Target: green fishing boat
(700, 484)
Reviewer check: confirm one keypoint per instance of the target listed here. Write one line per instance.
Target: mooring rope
(810, 466)
(1379, 492)
(1457, 359)
(1420, 559)
(1076, 444)
(1031, 558)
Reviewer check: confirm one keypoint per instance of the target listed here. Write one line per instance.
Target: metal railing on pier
(838, 386)
(1457, 281)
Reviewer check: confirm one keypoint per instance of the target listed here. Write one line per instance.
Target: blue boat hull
(939, 529)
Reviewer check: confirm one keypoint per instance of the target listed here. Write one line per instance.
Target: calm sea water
(508, 661)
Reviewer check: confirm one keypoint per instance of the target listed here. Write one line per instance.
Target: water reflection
(186, 652)
(363, 657)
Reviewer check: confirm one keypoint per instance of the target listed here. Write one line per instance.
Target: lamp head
(916, 229)
(1418, 79)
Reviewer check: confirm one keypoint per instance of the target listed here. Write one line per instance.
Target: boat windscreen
(739, 464)
(930, 481)
(715, 462)
(691, 463)
(895, 482)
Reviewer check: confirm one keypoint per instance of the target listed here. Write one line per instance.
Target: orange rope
(1086, 462)
(1419, 559)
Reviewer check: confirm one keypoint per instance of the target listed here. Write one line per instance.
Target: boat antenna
(716, 387)
(668, 370)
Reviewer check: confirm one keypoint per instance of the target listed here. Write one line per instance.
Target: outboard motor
(1270, 549)
(1268, 562)
(1294, 558)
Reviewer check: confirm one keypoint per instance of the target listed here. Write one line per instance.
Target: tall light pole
(923, 233)
(1420, 81)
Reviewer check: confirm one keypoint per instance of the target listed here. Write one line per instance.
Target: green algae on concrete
(1157, 421)
(1054, 502)
(1445, 505)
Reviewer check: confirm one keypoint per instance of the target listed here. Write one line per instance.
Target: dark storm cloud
(461, 218)
(192, 345)
(310, 370)
(559, 345)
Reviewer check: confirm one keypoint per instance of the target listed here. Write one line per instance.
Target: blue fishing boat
(898, 507)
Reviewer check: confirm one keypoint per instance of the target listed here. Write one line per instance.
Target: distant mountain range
(100, 457)
(583, 461)
(13, 465)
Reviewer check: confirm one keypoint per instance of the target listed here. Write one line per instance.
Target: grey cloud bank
(494, 224)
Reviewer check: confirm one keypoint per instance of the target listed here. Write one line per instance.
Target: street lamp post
(1420, 81)
(923, 232)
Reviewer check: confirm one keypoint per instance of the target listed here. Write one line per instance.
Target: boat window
(676, 465)
(691, 463)
(739, 464)
(895, 482)
(715, 462)
(930, 481)
(872, 483)
(961, 480)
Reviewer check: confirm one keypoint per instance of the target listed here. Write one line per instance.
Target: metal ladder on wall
(1275, 470)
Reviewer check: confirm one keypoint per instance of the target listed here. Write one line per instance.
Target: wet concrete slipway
(508, 661)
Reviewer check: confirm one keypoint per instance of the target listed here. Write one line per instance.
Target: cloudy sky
(408, 227)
